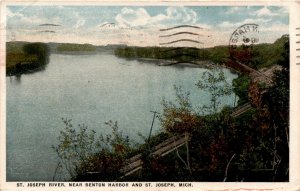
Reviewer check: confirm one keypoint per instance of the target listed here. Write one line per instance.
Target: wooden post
(154, 115)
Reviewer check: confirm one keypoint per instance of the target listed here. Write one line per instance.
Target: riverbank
(22, 57)
(165, 62)
(260, 55)
(16, 61)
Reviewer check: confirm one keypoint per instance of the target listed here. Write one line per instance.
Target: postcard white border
(293, 184)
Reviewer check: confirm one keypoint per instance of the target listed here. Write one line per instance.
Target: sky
(141, 25)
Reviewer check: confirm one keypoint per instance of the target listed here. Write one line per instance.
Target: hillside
(262, 55)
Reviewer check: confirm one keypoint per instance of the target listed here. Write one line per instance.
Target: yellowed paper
(150, 95)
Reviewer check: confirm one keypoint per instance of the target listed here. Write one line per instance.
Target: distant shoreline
(19, 62)
(166, 62)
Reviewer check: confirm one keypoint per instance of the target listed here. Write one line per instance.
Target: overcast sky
(140, 25)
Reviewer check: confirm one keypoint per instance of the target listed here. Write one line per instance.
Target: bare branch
(56, 169)
(186, 166)
(187, 151)
(228, 167)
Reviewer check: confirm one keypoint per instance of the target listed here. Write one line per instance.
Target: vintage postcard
(150, 95)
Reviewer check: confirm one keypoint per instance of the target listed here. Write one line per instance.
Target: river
(89, 89)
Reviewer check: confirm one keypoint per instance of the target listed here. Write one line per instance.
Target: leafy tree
(87, 157)
(40, 49)
(215, 83)
(277, 102)
(241, 87)
(178, 118)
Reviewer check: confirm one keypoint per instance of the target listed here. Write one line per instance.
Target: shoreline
(206, 64)
(165, 62)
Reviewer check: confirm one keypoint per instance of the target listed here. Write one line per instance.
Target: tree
(179, 119)
(86, 157)
(40, 49)
(215, 83)
(240, 88)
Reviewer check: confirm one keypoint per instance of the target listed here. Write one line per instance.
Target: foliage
(81, 152)
(12, 59)
(241, 87)
(259, 56)
(276, 101)
(178, 118)
(177, 54)
(39, 49)
(217, 54)
(26, 57)
(75, 146)
(253, 146)
(250, 147)
(75, 47)
(215, 83)
(266, 55)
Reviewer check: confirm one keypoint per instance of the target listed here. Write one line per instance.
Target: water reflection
(15, 79)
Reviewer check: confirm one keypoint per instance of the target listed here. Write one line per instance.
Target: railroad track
(240, 110)
(135, 163)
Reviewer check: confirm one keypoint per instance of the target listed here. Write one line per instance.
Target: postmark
(241, 42)
(181, 44)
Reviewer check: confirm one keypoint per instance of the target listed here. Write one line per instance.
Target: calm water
(89, 89)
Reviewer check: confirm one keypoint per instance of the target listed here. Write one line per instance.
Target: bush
(87, 157)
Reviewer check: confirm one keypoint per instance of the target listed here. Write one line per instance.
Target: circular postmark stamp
(241, 42)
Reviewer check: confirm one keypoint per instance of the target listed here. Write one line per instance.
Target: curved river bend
(89, 89)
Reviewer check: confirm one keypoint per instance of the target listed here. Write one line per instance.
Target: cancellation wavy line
(181, 40)
(179, 33)
(47, 31)
(180, 62)
(181, 49)
(182, 26)
(179, 55)
(50, 24)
